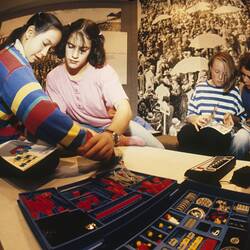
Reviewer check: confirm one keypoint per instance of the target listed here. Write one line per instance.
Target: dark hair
(231, 71)
(97, 56)
(42, 22)
(245, 61)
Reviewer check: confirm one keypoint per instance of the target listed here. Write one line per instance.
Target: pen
(214, 111)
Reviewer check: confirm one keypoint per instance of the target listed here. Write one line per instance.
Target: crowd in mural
(166, 36)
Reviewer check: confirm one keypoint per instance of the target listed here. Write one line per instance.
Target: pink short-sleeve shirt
(88, 99)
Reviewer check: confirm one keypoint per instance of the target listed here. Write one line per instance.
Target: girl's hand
(99, 147)
(228, 120)
(201, 121)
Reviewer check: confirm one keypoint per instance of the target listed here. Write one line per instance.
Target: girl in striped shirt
(215, 101)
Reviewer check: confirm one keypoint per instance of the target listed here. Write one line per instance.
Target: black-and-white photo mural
(176, 39)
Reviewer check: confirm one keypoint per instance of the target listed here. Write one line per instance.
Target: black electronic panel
(211, 170)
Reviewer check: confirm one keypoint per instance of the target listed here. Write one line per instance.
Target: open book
(219, 127)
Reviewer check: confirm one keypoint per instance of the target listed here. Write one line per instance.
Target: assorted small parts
(174, 219)
(222, 205)
(241, 209)
(141, 243)
(186, 201)
(115, 188)
(125, 177)
(216, 231)
(197, 212)
(217, 217)
(190, 223)
(206, 210)
(154, 185)
(154, 235)
(44, 204)
(173, 242)
(204, 201)
(212, 209)
(164, 226)
(186, 240)
(88, 202)
(91, 226)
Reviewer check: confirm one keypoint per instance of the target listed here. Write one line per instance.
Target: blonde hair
(230, 69)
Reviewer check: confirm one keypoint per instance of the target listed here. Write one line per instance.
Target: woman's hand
(228, 120)
(99, 147)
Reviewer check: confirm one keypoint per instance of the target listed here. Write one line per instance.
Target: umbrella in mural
(160, 18)
(226, 9)
(190, 64)
(207, 41)
(200, 6)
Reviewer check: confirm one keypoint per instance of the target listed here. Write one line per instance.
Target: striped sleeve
(21, 92)
(192, 105)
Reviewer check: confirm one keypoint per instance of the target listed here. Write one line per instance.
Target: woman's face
(218, 73)
(77, 51)
(36, 45)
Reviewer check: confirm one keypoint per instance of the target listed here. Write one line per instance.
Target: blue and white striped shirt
(208, 99)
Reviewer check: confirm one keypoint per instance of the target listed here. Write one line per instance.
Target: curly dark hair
(97, 56)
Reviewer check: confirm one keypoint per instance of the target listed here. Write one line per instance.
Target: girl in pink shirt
(88, 89)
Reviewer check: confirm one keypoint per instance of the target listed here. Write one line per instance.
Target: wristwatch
(115, 136)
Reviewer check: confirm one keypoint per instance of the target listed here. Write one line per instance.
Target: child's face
(77, 51)
(218, 73)
(36, 45)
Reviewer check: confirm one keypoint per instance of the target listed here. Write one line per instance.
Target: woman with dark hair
(23, 100)
(88, 89)
(216, 102)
